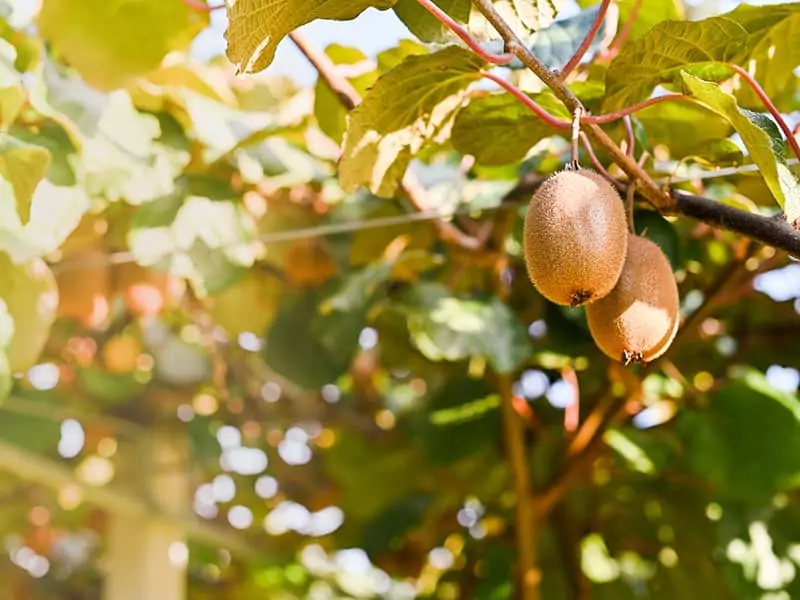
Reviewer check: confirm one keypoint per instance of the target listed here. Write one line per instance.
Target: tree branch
(649, 189)
(773, 231)
(350, 98)
(514, 434)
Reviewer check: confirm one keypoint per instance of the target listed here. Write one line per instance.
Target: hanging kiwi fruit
(638, 320)
(575, 237)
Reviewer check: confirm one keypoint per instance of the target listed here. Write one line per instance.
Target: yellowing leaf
(667, 48)
(765, 151)
(24, 166)
(30, 293)
(409, 106)
(111, 42)
(773, 50)
(256, 27)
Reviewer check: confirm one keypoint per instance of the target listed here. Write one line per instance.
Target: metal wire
(330, 229)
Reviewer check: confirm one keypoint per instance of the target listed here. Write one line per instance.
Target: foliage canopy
(322, 292)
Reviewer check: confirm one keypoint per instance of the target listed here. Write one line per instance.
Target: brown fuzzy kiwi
(575, 237)
(638, 320)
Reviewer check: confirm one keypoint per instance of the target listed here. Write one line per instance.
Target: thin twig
(527, 101)
(587, 41)
(598, 165)
(350, 98)
(623, 112)
(464, 35)
(630, 138)
(773, 110)
(526, 522)
(574, 148)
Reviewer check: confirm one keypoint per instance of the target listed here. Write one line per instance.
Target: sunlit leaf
(773, 53)
(408, 107)
(762, 139)
(669, 47)
(209, 242)
(257, 26)
(111, 42)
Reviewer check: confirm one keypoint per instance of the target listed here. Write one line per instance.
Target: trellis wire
(330, 229)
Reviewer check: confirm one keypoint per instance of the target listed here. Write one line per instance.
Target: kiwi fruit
(638, 320)
(575, 237)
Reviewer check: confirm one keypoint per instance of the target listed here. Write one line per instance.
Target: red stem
(463, 34)
(200, 6)
(629, 137)
(597, 164)
(526, 100)
(587, 41)
(626, 29)
(613, 116)
(791, 140)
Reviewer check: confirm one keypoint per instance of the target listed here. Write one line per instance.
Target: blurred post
(147, 556)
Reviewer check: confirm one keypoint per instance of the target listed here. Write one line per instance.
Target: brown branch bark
(772, 231)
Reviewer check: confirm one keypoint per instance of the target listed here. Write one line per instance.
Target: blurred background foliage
(178, 257)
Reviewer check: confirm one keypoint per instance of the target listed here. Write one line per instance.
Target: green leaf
(391, 57)
(389, 526)
(648, 14)
(328, 108)
(761, 138)
(408, 107)
(424, 25)
(684, 127)
(206, 241)
(443, 327)
(256, 27)
(747, 443)
(460, 420)
(773, 51)
(497, 129)
(665, 50)
(111, 42)
(309, 349)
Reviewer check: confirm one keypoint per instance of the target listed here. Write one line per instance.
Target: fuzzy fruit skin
(575, 237)
(638, 320)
